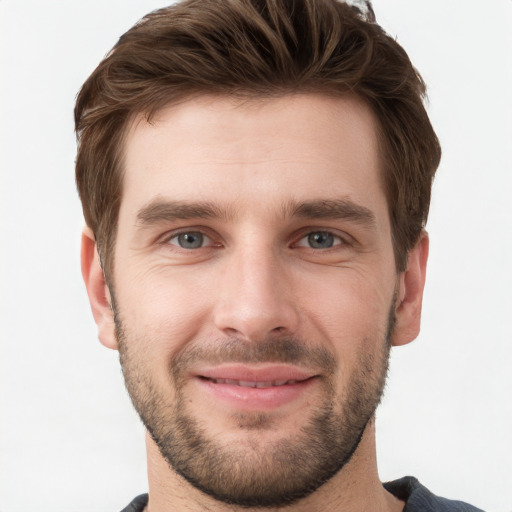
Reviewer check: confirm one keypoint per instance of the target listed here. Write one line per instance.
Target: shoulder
(137, 505)
(419, 498)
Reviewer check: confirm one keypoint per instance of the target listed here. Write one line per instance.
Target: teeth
(252, 384)
(263, 384)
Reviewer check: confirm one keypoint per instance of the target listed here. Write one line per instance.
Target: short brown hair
(256, 48)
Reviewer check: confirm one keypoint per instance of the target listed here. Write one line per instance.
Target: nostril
(251, 319)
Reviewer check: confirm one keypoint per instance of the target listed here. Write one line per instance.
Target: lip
(256, 373)
(255, 388)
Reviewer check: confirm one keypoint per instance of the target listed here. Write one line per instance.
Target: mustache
(288, 350)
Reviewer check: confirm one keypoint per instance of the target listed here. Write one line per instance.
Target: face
(255, 290)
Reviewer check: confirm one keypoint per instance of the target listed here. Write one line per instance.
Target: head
(256, 177)
(256, 49)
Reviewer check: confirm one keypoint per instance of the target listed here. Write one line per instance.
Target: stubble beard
(254, 474)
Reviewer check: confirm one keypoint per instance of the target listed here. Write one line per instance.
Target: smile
(253, 384)
(255, 388)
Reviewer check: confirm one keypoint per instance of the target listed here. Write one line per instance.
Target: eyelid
(345, 238)
(337, 240)
(299, 235)
(206, 233)
(206, 239)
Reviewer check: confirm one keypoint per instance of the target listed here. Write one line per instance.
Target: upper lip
(255, 373)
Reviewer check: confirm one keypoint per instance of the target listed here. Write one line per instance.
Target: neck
(356, 487)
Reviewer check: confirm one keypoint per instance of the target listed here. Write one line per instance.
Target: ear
(97, 289)
(410, 293)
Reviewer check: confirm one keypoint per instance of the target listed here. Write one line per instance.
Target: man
(255, 178)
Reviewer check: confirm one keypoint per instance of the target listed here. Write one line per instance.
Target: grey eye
(320, 240)
(191, 240)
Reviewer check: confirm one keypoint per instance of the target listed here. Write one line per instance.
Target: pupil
(321, 240)
(190, 240)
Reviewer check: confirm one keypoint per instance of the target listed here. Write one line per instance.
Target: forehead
(254, 153)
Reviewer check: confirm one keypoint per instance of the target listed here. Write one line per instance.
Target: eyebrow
(160, 210)
(334, 209)
(163, 210)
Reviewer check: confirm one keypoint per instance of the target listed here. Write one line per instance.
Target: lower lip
(256, 399)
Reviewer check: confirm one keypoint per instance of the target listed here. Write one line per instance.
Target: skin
(256, 274)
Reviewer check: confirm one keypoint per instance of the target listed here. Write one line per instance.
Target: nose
(256, 297)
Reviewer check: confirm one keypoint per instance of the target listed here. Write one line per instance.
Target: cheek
(350, 311)
(170, 308)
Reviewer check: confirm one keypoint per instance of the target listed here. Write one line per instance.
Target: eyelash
(188, 232)
(338, 240)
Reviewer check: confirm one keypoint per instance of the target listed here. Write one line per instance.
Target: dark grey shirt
(417, 499)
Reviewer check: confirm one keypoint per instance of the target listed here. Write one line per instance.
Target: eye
(190, 240)
(320, 240)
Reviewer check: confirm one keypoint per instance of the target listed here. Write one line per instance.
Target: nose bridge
(255, 299)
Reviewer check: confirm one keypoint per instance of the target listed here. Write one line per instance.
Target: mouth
(253, 384)
(255, 388)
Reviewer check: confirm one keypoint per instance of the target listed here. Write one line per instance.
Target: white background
(69, 439)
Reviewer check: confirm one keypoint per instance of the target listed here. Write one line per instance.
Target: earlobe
(410, 293)
(97, 290)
